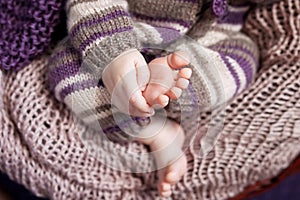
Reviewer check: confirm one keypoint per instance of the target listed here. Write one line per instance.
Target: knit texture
(224, 61)
(100, 30)
(174, 15)
(41, 146)
(25, 30)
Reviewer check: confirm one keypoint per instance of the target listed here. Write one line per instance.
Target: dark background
(288, 189)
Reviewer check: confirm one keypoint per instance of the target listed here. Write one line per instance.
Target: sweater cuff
(107, 50)
(100, 30)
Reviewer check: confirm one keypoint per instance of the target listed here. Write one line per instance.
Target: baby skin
(166, 137)
(167, 77)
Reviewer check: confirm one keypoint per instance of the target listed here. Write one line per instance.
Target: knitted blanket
(41, 148)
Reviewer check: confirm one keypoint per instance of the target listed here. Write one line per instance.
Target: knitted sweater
(26, 27)
(224, 61)
(41, 142)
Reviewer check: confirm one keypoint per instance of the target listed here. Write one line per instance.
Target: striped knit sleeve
(226, 58)
(163, 21)
(100, 28)
(223, 58)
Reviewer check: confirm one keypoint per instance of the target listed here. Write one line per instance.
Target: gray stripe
(171, 9)
(74, 2)
(98, 109)
(202, 75)
(86, 32)
(247, 45)
(147, 34)
(67, 58)
(98, 57)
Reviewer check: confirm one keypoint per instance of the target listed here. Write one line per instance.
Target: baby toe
(175, 93)
(166, 194)
(185, 73)
(182, 83)
(164, 187)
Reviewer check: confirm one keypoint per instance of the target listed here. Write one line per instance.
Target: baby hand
(126, 78)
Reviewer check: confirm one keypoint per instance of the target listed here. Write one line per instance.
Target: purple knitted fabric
(25, 29)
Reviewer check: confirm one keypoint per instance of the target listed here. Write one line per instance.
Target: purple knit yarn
(25, 29)
(219, 7)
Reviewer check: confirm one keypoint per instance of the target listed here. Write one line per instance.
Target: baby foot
(165, 141)
(167, 78)
(170, 159)
(171, 175)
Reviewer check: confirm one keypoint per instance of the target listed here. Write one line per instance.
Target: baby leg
(165, 138)
(86, 96)
(82, 91)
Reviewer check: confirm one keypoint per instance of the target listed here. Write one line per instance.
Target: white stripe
(140, 33)
(96, 115)
(228, 83)
(238, 9)
(70, 80)
(81, 10)
(231, 27)
(87, 99)
(203, 68)
(212, 37)
(171, 25)
(248, 58)
(239, 72)
(147, 33)
(93, 44)
(97, 43)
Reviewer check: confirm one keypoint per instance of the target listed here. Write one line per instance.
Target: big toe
(178, 59)
(175, 171)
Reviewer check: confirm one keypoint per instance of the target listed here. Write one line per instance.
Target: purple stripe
(193, 93)
(244, 64)
(97, 20)
(186, 24)
(225, 48)
(77, 87)
(168, 34)
(232, 71)
(95, 36)
(63, 71)
(111, 129)
(236, 18)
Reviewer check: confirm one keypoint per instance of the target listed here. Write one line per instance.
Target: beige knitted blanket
(41, 145)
